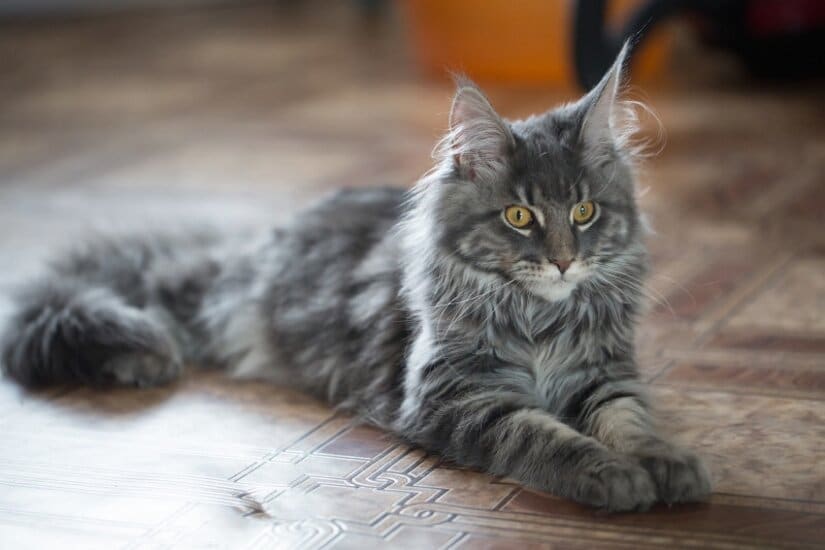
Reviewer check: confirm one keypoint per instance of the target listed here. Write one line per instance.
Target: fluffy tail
(71, 332)
(89, 322)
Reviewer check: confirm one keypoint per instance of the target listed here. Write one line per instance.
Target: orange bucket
(512, 41)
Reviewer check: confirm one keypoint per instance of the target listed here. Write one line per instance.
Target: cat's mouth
(550, 284)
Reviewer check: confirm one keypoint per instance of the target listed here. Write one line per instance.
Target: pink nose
(562, 264)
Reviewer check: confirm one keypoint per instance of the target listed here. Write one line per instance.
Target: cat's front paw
(616, 486)
(680, 475)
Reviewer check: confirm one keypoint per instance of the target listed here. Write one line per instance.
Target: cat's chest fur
(549, 357)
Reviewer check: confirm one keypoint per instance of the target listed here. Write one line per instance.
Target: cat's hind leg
(69, 332)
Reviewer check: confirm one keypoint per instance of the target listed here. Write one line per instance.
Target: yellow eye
(583, 212)
(518, 216)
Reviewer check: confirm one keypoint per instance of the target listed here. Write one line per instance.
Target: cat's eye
(518, 216)
(583, 212)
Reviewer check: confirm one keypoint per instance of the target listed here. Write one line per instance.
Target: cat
(487, 315)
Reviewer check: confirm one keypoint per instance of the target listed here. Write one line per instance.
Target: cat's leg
(503, 436)
(617, 414)
(72, 332)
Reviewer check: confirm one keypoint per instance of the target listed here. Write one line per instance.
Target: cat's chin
(555, 291)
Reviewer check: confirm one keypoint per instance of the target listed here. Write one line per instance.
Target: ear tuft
(610, 123)
(479, 140)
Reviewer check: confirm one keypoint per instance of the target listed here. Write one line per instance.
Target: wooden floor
(240, 116)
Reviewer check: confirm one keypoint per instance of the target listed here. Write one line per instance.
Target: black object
(774, 38)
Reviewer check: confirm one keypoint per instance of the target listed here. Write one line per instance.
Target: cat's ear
(605, 122)
(479, 140)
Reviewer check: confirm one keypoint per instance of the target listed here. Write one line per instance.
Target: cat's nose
(563, 265)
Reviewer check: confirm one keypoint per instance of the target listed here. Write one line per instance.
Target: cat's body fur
(421, 312)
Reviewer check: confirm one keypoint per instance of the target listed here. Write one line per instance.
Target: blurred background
(142, 113)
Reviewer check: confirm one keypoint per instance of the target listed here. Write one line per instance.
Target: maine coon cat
(487, 315)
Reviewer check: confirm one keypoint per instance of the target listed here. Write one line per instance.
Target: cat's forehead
(547, 157)
(558, 128)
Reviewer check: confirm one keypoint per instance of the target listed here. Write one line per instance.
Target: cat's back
(350, 213)
(332, 304)
(325, 243)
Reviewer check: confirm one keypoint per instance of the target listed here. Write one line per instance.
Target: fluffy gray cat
(487, 315)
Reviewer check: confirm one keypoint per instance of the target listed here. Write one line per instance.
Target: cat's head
(546, 203)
